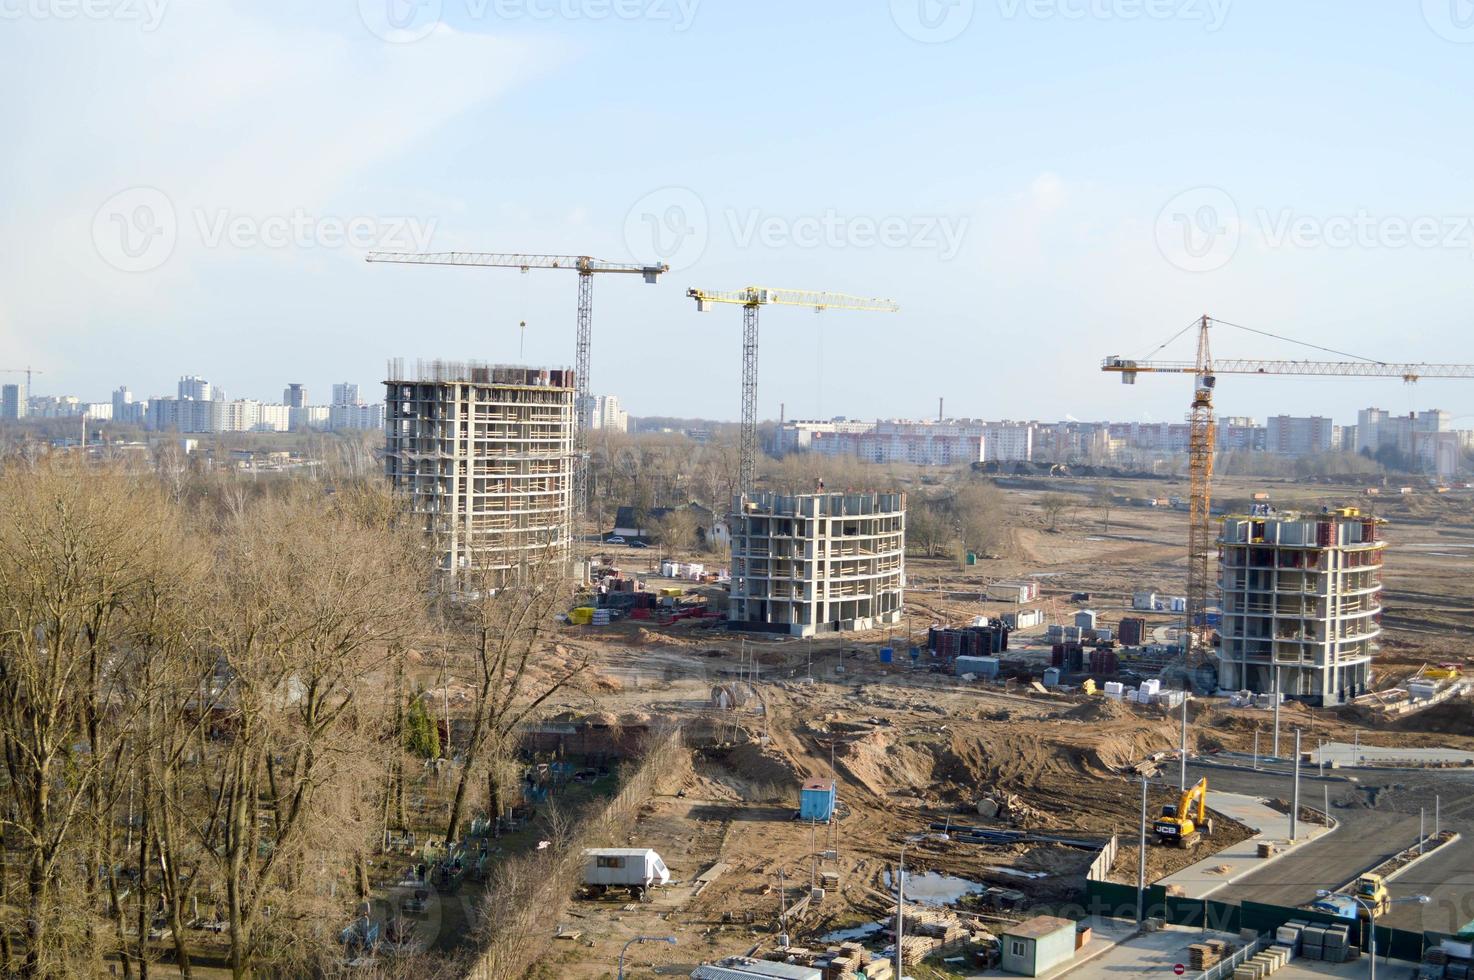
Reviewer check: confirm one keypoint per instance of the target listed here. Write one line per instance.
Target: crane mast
(586, 267)
(1201, 540)
(750, 299)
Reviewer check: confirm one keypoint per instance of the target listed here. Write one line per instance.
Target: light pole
(901, 903)
(1372, 920)
(1141, 862)
(641, 939)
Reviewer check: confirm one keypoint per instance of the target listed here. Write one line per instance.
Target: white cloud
(223, 112)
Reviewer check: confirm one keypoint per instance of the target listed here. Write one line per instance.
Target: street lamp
(901, 901)
(641, 939)
(1372, 919)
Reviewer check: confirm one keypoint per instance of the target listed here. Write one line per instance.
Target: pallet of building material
(914, 949)
(1247, 972)
(879, 969)
(1200, 957)
(1267, 848)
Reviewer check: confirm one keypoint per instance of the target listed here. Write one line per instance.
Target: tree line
(207, 715)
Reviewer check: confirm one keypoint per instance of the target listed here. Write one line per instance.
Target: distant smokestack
(940, 416)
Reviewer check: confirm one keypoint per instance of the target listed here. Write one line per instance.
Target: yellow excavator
(1179, 825)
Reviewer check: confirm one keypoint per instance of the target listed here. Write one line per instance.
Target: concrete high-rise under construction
(1301, 603)
(485, 454)
(814, 563)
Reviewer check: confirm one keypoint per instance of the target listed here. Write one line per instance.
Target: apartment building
(1301, 603)
(817, 563)
(485, 454)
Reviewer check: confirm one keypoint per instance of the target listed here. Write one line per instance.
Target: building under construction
(1301, 603)
(815, 563)
(485, 454)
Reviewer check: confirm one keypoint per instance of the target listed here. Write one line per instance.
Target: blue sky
(1038, 183)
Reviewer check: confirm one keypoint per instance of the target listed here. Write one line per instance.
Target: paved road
(1379, 817)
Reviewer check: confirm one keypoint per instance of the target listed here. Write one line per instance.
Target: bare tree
(309, 595)
(503, 623)
(79, 546)
(1054, 505)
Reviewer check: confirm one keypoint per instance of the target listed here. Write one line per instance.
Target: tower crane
(750, 299)
(586, 267)
(26, 371)
(1197, 645)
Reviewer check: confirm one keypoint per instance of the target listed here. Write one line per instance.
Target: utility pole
(1182, 778)
(1276, 711)
(1436, 830)
(1141, 862)
(1256, 748)
(1422, 827)
(1295, 802)
(1326, 789)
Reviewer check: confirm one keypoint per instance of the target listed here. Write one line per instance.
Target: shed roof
(819, 784)
(1039, 926)
(618, 851)
(741, 968)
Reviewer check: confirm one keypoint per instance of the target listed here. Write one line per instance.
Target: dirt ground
(909, 748)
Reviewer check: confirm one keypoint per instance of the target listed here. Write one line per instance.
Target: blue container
(887, 655)
(816, 800)
(916, 653)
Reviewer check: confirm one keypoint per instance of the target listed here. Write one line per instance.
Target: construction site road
(1378, 816)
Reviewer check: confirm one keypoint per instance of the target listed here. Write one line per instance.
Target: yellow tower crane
(586, 268)
(750, 299)
(1197, 636)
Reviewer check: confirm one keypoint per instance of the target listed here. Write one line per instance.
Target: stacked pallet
(914, 949)
(1204, 956)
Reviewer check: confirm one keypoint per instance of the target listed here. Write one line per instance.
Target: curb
(1276, 772)
(1421, 858)
(1265, 862)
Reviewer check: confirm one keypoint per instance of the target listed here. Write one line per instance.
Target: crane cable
(1262, 333)
(1169, 340)
(1292, 340)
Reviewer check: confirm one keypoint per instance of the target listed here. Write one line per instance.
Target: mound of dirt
(752, 771)
(882, 765)
(1450, 717)
(1104, 709)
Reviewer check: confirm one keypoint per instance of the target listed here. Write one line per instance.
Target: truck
(632, 868)
(1178, 825)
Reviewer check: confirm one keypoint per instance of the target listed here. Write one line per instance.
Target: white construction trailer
(635, 868)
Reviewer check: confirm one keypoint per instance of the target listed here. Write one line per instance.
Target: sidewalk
(1348, 754)
(1201, 880)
